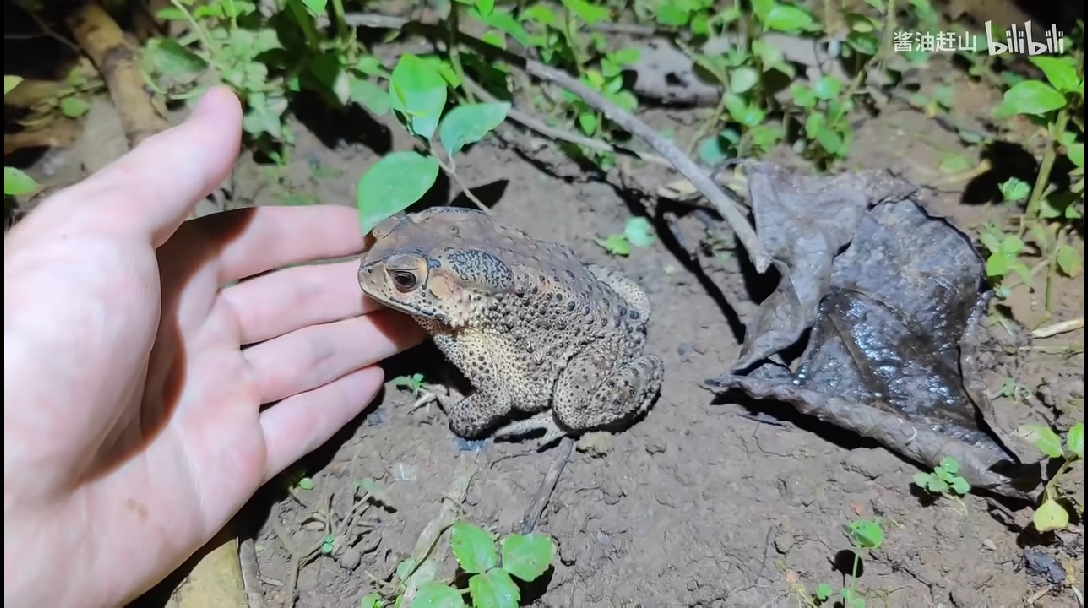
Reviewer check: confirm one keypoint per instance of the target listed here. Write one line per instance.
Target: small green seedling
(492, 567)
(944, 480)
(1051, 515)
(16, 182)
(413, 384)
(637, 233)
(865, 535)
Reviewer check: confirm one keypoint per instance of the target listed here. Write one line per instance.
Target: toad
(533, 329)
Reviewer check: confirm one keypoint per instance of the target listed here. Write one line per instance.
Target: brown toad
(531, 327)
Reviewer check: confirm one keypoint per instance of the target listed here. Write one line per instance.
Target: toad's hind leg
(591, 394)
(628, 289)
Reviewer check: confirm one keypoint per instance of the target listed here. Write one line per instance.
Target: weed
(944, 481)
(492, 567)
(413, 384)
(16, 182)
(1051, 514)
(638, 232)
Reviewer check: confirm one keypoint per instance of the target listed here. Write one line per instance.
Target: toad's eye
(403, 280)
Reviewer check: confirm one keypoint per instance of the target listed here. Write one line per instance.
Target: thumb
(151, 190)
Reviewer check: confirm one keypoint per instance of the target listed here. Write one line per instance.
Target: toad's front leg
(491, 399)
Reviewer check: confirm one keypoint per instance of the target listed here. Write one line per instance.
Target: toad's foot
(543, 421)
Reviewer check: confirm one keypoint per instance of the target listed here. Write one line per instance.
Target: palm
(134, 383)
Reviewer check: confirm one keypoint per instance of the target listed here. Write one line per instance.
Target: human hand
(134, 382)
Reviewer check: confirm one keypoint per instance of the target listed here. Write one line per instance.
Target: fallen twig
(1059, 328)
(103, 41)
(547, 486)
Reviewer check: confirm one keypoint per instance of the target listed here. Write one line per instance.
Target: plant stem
(453, 175)
(1035, 203)
(453, 28)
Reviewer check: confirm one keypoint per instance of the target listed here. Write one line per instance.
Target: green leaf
(73, 107)
(418, 91)
(437, 595)
(1061, 72)
(788, 18)
(16, 182)
(474, 548)
(587, 12)
(10, 82)
(615, 244)
(867, 533)
(1075, 439)
(951, 465)
(467, 124)
(369, 95)
(316, 7)
(827, 88)
(1050, 516)
(671, 15)
(639, 232)
(1075, 152)
(306, 483)
(1029, 97)
(824, 591)
(171, 59)
(1070, 261)
(742, 80)
(485, 7)
(936, 485)
(371, 600)
(802, 96)
(494, 589)
(960, 486)
(1044, 438)
(392, 184)
(921, 480)
(527, 556)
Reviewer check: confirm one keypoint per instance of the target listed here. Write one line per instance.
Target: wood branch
(58, 135)
(116, 59)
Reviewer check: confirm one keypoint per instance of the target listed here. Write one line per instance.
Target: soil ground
(699, 504)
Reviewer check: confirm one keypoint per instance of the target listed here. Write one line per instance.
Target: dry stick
(725, 206)
(103, 41)
(728, 209)
(544, 493)
(1059, 328)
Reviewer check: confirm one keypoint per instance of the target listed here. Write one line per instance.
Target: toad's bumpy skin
(532, 328)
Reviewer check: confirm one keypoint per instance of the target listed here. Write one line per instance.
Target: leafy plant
(413, 384)
(491, 565)
(1045, 230)
(638, 232)
(16, 182)
(865, 535)
(418, 95)
(944, 480)
(1051, 515)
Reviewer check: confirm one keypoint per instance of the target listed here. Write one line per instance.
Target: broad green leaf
(1076, 154)
(921, 480)
(16, 182)
(936, 484)
(587, 12)
(418, 91)
(485, 6)
(316, 7)
(10, 82)
(827, 88)
(368, 95)
(616, 245)
(474, 548)
(1044, 438)
(171, 59)
(494, 589)
(802, 95)
(788, 18)
(1050, 516)
(467, 124)
(639, 232)
(371, 600)
(392, 184)
(73, 107)
(824, 591)
(527, 556)
(1075, 439)
(1061, 72)
(1029, 97)
(1070, 261)
(437, 595)
(951, 465)
(868, 534)
(960, 486)
(671, 15)
(743, 80)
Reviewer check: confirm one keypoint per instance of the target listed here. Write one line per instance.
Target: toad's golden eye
(404, 280)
